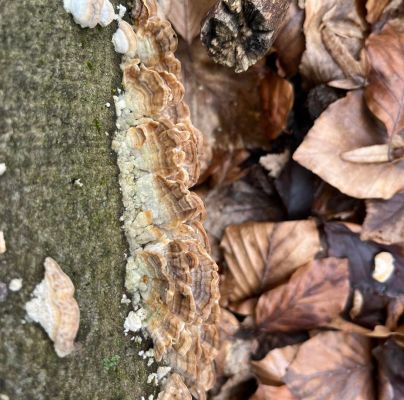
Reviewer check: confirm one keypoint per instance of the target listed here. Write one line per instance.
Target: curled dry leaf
(379, 331)
(315, 294)
(260, 255)
(248, 199)
(375, 9)
(344, 242)
(385, 93)
(384, 222)
(332, 366)
(334, 32)
(344, 126)
(390, 357)
(277, 101)
(265, 392)
(186, 15)
(272, 368)
(289, 43)
(295, 186)
(225, 106)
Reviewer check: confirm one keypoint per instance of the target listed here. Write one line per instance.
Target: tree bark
(238, 33)
(55, 81)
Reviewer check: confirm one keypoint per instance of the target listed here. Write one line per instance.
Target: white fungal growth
(384, 266)
(3, 247)
(3, 168)
(162, 372)
(121, 11)
(134, 320)
(15, 284)
(55, 308)
(89, 13)
(124, 39)
(125, 299)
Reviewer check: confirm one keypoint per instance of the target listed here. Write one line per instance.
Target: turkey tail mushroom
(157, 148)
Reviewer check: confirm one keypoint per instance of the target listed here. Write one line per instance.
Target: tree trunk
(55, 81)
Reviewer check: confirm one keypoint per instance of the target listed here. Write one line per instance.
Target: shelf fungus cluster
(55, 308)
(157, 149)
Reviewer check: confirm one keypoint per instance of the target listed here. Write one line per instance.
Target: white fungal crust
(55, 308)
(3, 247)
(170, 266)
(89, 13)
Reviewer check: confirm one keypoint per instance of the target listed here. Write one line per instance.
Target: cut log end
(238, 33)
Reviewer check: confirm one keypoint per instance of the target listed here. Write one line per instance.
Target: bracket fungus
(55, 308)
(157, 150)
(89, 13)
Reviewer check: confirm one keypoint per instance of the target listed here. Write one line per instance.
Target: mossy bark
(55, 81)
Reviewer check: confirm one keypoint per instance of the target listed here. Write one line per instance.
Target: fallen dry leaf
(394, 312)
(265, 392)
(385, 93)
(375, 9)
(343, 242)
(224, 106)
(332, 366)
(390, 357)
(334, 32)
(384, 222)
(379, 331)
(272, 368)
(260, 255)
(225, 167)
(344, 126)
(315, 294)
(277, 101)
(289, 43)
(248, 199)
(186, 15)
(329, 203)
(378, 8)
(296, 186)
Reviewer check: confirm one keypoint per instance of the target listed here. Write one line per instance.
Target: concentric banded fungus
(55, 308)
(157, 147)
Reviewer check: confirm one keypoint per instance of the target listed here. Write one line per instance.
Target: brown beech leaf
(277, 101)
(265, 392)
(379, 331)
(315, 294)
(346, 125)
(390, 358)
(384, 222)
(260, 255)
(247, 199)
(186, 15)
(334, 32)
(329, 203)
(289, 43)
(343, 241)
(272, 368)
(385, 93)
(332, 366)
(226, 107)
(376, 9)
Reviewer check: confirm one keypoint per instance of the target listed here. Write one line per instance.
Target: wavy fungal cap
(89, 13)
(55, 308)
(157, 148)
